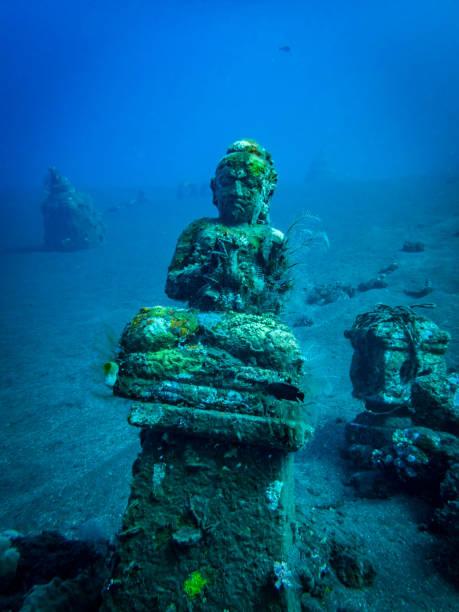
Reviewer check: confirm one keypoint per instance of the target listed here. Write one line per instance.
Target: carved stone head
(244, 182)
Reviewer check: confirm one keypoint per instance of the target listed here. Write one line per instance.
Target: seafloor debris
(331, 292)
(379, 282)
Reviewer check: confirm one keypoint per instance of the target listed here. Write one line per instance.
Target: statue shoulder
(195, 228)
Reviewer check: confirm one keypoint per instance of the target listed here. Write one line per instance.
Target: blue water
(152, 92)
(148, 95)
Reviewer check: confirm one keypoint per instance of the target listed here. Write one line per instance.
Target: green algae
(194, 585)
(172, 362)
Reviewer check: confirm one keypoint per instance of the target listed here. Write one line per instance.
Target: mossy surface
(223, 363)
(175, 362)
(159, 328)
(194, 585)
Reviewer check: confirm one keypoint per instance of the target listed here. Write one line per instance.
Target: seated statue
(219, 399)
(237, 261)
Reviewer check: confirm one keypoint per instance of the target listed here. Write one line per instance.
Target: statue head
(56, 182)
(244, 182)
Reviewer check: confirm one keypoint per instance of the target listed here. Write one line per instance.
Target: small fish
(285, 49)
(110, 373)
(285, 391)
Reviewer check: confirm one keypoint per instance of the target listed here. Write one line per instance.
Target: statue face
(237, 193)
(244, 183)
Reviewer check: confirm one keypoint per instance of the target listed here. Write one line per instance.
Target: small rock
(390, 268)
(378, 282)
(413, 247)
(303, 321)
(419, 292)
(352, 568)
(187, 536)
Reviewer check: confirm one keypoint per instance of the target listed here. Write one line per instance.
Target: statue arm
(184, 275)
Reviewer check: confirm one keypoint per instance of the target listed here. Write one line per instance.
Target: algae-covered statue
(238, 261)
(410, 427)
(209, 524)
(71, 222)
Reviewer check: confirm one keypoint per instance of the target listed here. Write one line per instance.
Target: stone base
(208, 527)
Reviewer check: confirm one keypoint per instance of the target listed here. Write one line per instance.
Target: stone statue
(218, 398)
(238, 261)
(71, 222)
(409, 429)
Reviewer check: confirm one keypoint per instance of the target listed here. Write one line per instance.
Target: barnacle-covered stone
(218, 267)
(214, 375)
(392, 347)
(411, 423)
(436, 401)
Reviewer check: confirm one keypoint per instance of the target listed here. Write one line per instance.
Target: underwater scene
(229, 343)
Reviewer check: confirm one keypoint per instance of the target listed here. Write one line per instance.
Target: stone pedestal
(210, 518)
(205, 526)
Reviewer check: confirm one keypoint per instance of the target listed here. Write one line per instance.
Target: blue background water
(152, 92)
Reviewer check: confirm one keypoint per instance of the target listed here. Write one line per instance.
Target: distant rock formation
(71, 222)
